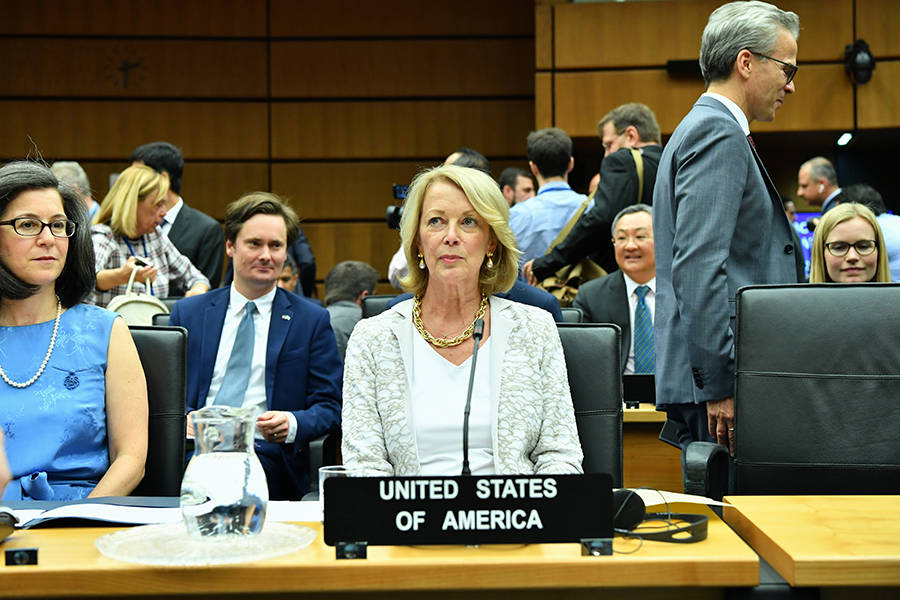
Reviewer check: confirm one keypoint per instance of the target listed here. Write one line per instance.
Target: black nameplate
(501, 509)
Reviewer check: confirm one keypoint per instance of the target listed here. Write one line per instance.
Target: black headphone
(630, 512)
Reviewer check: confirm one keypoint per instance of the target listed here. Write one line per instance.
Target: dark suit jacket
(199, 237)
(718, 225)
(591, 236)
(605, 300)
(520, 292)
(303, 370)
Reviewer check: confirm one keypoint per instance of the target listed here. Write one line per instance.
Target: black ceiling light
(859, 62)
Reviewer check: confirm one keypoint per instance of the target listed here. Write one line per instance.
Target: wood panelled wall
(593, 57)
(328, 103)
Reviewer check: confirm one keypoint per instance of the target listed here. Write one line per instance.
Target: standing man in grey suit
(617, 297)
(195, 234)
(718, 219)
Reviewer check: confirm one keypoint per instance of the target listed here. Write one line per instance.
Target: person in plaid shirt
(126, 234)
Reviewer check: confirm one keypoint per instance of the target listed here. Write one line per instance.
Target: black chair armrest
(706, 470)
(322, 453)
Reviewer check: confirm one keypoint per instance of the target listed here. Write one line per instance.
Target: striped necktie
(643, 334)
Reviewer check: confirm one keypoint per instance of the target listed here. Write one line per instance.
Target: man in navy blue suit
(295, 371)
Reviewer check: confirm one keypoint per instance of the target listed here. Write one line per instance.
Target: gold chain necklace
(417, 321)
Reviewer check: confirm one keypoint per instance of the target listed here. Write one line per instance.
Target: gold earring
(421, 261)
(490, 264)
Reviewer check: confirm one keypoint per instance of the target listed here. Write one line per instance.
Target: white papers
(656, 497)
(113, 513)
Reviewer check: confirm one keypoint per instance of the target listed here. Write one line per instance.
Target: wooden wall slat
(332, 243)
(543, 100)
(208, 187)
(353, 190)
(543, 37)
(878, 102)
(629, 34)
(877, 22)
(825, 28)
(636, 34)
(107, 130)
(167, 18)
(157, 69)
(401, 18)
(823, 101)
(582, 98)
(402, 68)
(401, 129)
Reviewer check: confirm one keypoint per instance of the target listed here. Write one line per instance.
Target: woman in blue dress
(73, 398)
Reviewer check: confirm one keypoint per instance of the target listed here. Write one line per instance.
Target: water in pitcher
(224, 490)
(216, 496)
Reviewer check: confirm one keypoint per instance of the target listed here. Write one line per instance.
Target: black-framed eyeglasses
(30, 227)
(862, 247)
(789, 69)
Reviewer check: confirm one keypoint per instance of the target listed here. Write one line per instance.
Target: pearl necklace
(46, 358)
(441, 343)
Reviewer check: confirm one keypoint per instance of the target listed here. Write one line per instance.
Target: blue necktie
(643, 334)
(237, 373)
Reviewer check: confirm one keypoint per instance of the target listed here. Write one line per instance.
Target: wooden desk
(70, 566)
(648, 461)
(823, 540)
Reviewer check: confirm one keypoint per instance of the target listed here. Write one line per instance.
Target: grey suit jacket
(605, 300)
(718, 224)
(199, 237)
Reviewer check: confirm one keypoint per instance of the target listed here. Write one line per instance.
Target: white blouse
(439, 390)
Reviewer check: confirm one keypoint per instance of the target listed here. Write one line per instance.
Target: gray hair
(633, 114)
(349, 279)
(737, 26)
(630, 210)
(72, 173)
(820, 167)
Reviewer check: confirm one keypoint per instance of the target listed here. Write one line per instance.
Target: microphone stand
(477, 334)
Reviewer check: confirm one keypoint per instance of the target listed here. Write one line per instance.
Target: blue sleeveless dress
(55, 429)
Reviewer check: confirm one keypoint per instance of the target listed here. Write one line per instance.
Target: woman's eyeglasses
(29, 227)
(862, 247)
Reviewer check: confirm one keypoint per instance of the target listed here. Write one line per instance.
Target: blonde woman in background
(127, 236)
(849, 247)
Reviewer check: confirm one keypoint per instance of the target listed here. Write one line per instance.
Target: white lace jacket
(534, 432)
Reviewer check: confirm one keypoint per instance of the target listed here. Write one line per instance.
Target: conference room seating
(163, 354)
(817, 393)
(375, 305)
(170, 302)
(572, 314)
(595, 379)
(161, 319)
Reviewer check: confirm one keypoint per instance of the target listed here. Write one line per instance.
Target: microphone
(477, 334)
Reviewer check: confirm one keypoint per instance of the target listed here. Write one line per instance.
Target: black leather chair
(375, 305)
(817, 393)
(161, 319)
(170, 302)
(595, 380)
(572, 314)
(163, 352)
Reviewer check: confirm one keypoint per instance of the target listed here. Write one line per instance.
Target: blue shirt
(537, 222)
(56, 428)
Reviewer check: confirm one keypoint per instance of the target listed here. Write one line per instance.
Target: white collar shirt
(733, 108)
(256, 387)
(171, 215)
